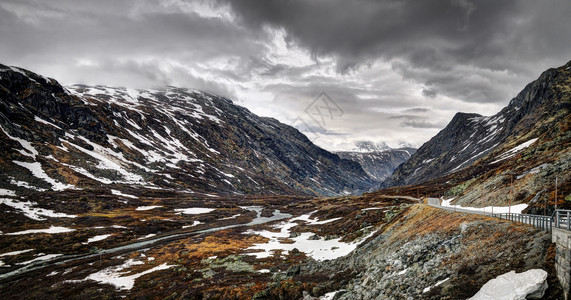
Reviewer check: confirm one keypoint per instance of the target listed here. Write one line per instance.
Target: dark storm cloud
(399, 69)
(429, 93)
(417, 110)
(429, 40)
(140, 48)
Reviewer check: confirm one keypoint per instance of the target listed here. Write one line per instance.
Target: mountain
(370, 146)
(522, 148)
(79, 137)
(379, 164)
(469, 137)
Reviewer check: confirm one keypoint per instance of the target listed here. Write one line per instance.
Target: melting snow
(194, 210)
(37, 119)
(232, 217)
(52, 229)
(426, 290)
(30, 150)
(107, 159)
(31, 212)
(150, 235)
(330, 295)
(114, 276)
(515, 150)
(119, 193)
(193, 224)
(148, 207)
(5, 192)
(37, 171)
(97, 238)
(514, 209)
(15, 252)
(319, 249)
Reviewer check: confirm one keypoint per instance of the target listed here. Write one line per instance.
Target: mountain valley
(173, 193)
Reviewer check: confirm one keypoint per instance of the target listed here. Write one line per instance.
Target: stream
(277, 215)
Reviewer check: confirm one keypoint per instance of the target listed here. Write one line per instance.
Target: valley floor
(171, 246)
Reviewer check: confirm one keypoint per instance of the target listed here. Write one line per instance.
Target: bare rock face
(173, 138)
(530, 284)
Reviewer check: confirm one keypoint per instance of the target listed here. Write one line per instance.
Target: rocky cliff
(56, 138)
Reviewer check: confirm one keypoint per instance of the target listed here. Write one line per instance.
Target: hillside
(80, 137)
(379, 164)
(477, 158)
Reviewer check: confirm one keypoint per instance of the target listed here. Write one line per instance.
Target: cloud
(399, 70)
(438, 43)
(429, 93)
(417, 109)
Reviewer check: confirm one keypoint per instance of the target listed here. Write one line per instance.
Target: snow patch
(29, 149)
(194, 210)
(16, 252)
(38, 119)
(114, 275)
(148, 207)
(119, 193)
(514, 209)
(97, 238)
(5, 192)
(427, 289)
(31, 212)
(193, 224)
(51, 230)
(319, 249)
(514, 150)
(37, 171)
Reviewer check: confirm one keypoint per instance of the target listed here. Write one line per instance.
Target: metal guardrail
(561, 218)
(537, 221)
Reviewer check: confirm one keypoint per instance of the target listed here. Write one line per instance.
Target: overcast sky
(392, 71)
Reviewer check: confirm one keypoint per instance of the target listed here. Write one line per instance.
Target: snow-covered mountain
(78, 137)
(369, 146)
(379, 164)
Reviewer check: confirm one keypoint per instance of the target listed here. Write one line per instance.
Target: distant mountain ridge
(95, 136)
(379, 164)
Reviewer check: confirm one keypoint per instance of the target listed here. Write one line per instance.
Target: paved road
(538, 221)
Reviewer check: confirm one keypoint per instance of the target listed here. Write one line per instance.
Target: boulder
(530, 284)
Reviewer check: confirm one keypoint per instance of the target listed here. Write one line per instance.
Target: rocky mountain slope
(379, 164)
(540, 111)
(511, 157)
(56, 138)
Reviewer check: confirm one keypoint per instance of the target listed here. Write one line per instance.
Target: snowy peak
(173, 139)
(369, 146)
(379, 164)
